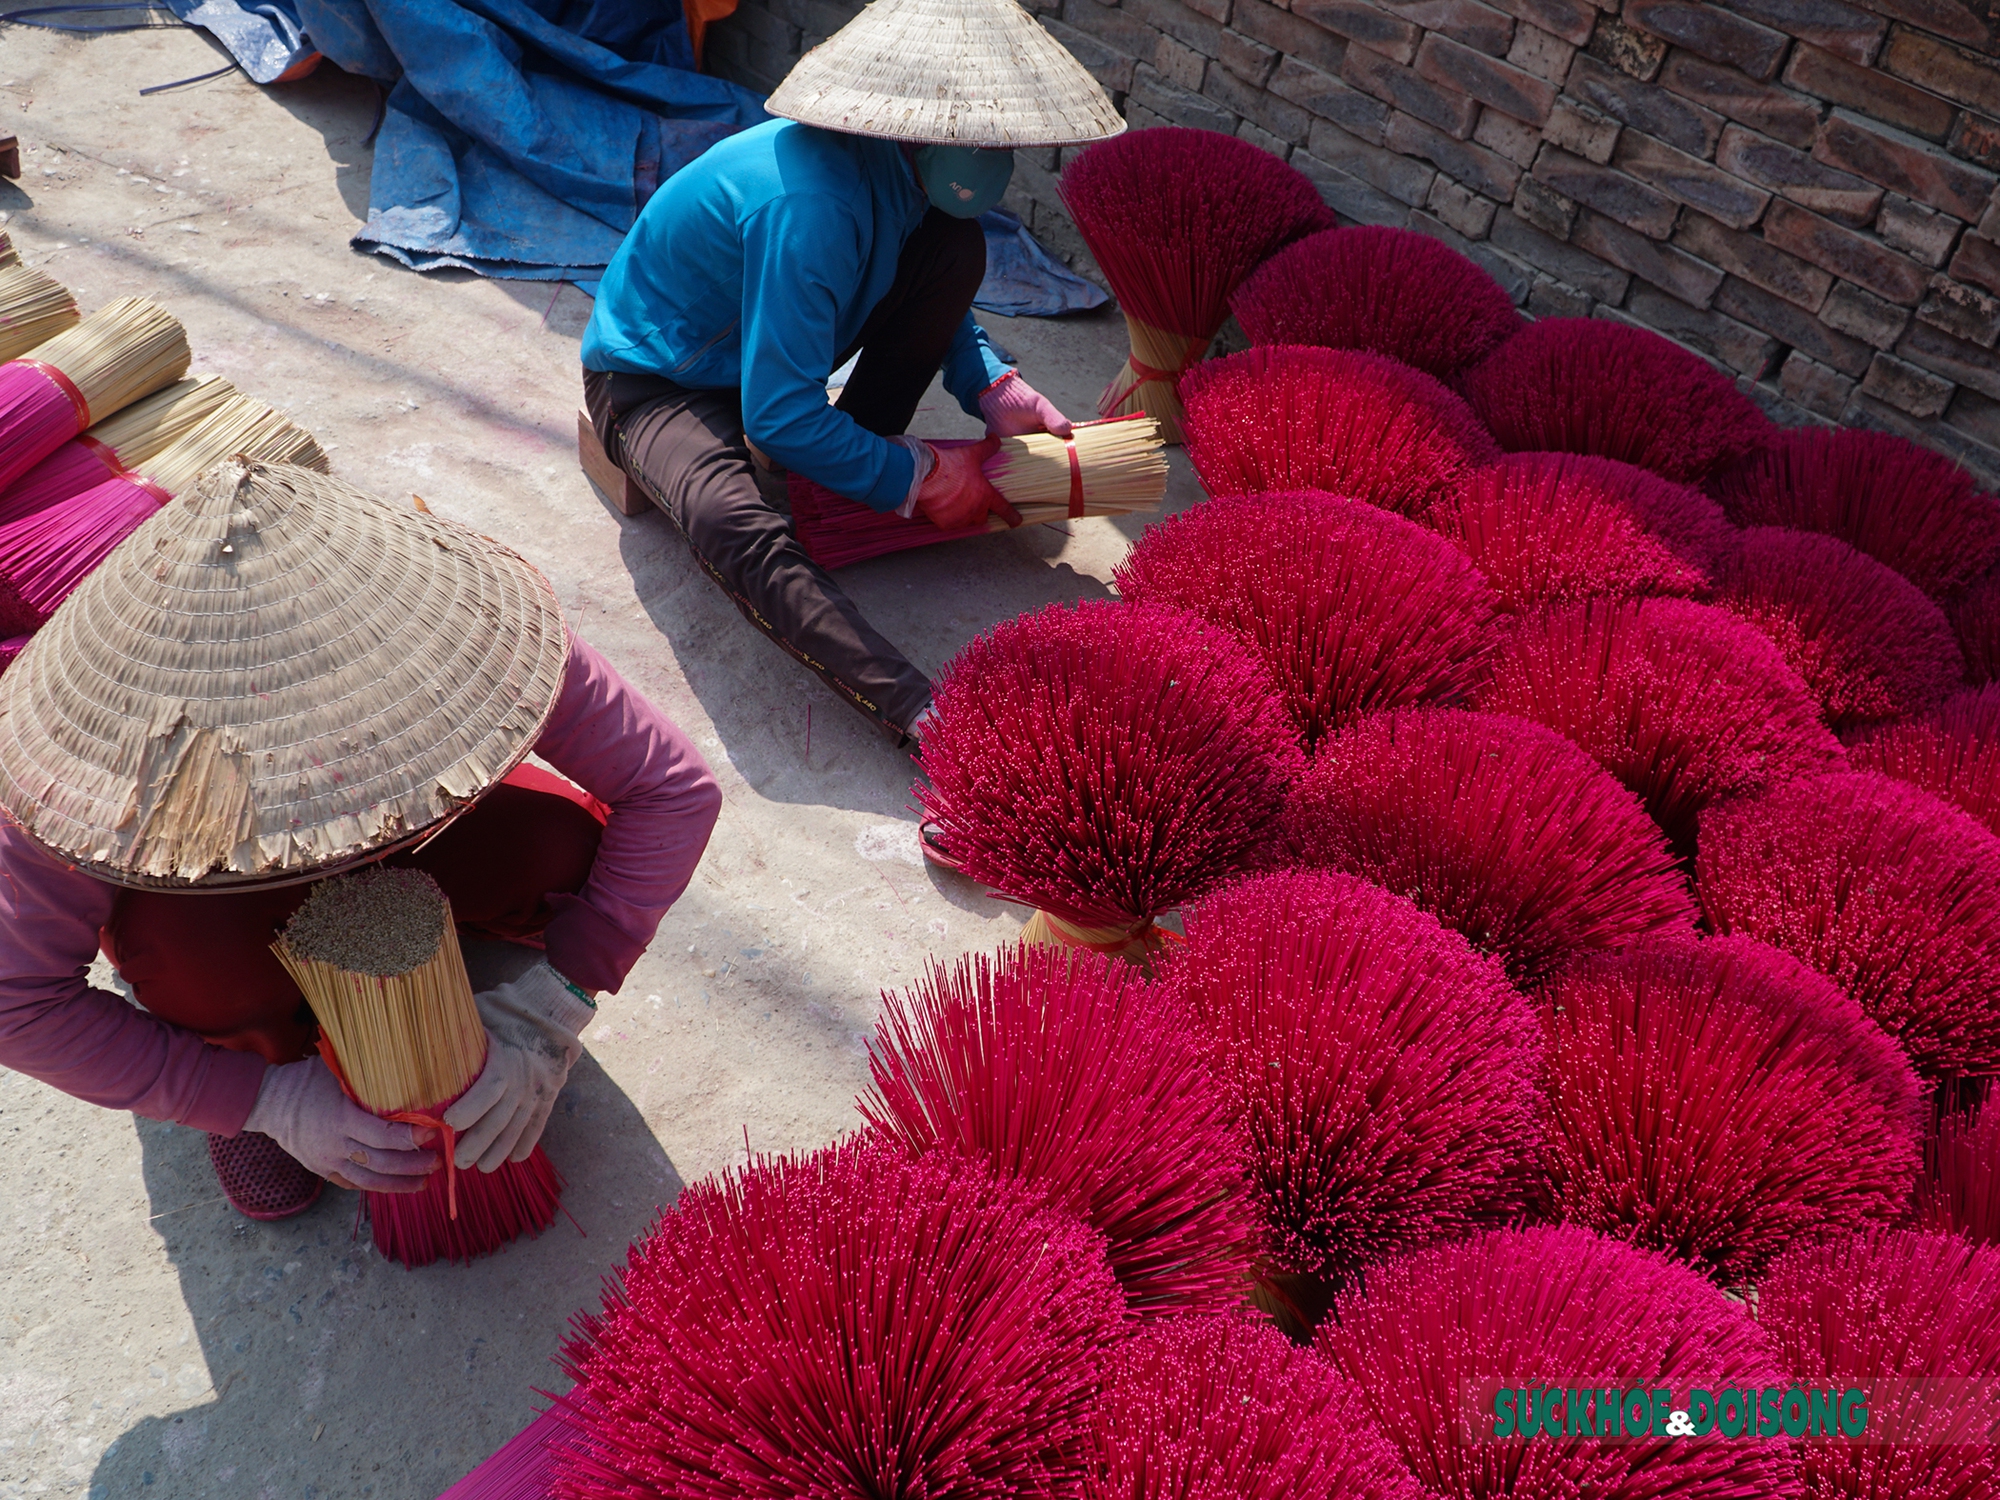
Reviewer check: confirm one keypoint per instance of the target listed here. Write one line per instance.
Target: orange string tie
(63, 383)
(408, 1117)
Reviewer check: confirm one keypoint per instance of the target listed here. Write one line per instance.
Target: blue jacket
(755, 267)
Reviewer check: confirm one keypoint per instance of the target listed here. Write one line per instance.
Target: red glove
(1011, 407)
(957, 494)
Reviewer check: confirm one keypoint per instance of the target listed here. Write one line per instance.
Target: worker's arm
(800, 253)
(88, 1042)
(615, 745)
(971, 365)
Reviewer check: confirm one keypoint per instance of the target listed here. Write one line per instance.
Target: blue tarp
(1023, 280)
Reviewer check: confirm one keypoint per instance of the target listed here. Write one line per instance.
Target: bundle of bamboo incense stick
(33, 309)
(149, 427)
(242, 424)
(8, 255)
(1108, 468)
(376, 956)
(124, 350)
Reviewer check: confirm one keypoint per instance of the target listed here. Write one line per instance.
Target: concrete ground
(152, 1342)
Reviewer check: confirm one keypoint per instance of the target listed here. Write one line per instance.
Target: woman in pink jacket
(276, 679)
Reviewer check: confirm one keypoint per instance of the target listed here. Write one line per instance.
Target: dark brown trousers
(686, 448)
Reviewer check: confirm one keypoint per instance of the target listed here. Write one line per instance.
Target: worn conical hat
(272, 677)
(959, 72)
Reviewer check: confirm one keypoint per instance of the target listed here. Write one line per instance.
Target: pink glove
(957, 494)
(301, 1108)
(1011, 407)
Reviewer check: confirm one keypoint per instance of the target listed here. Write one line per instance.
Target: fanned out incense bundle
(45, 555)
(124, 350)
(123, 441)
(1959, 1192)
(376, 956)
(1177, 218)
(1952, 753)
(1109, 468)
(34, 308)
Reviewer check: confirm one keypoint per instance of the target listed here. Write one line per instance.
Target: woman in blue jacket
(847, 226)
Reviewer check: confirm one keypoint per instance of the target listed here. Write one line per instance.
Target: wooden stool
(616, 485)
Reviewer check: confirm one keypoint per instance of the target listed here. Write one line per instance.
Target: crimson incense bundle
(1912, 1320)
(1389, 1074)
(1488, 1331)
(1959, 1192)
(122, 442)
(853, 1322)
(1063, 1072)
(124, 350)
(1908, 508)
(1975, 620)
(1682, 702)
(1226, 1406)
(1587, 385)
(1952, 752)
(1500, 828)
(1866, 641)
(1292, 418)
(1385, 291)
(1704, 1100)
(1890, 893)
(1176, 219)
(1554, 528)
(1351, 608)
(1105, 763)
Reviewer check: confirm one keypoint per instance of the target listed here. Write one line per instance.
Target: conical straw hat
(273, 677)
(958, 72)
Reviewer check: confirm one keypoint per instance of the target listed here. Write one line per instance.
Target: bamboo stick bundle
(8, 255)
(376, 955)
(45, 555)
(34, 308)
(1108, 468)
(124, 350)
(122, 442)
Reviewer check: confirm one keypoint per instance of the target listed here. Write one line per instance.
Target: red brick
(1250, 61)
(1869, 90)
(1792, 325)
(1107, 64)
(1541, 53)
(1627, 48)
(1485, 172)
(1461, 208)
(1179, 64)
(1975, 423)
(1715, 33)
(1989, 222)
(1330, 99)
(1852, 256)
(1755, 260)
(1912, 167)
(1699, 184)
(1215, 10)
(1563, 261)
(1977, 261)
(1582, 131)
(1778, 113)
(1645, 106)
(1551, 299)
(1977, 138)
(1267, 108)
(1569, 19)
(1669, 269)
(1610, 192)
(1512, 139)
(1948, 18)
(1954, 359)
(1917, 231)
(1863, 315)
(1745, 350)
(1478, 26)
(1361, 22)
(1544, 207)
(1944, 69)
(1347, 195)
(1814, 386)
(1376, 75)
(1391, 170)
(1906, 387)
(1840, 29)
(1186, 26)
(1490, 81)
(1961, 311)
(1278, 29)
(1794, 175)
(1115, 28)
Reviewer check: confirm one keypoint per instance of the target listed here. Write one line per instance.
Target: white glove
(301, 1107)
(534, 1036)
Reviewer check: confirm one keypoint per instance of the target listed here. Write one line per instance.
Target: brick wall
(1807, 192)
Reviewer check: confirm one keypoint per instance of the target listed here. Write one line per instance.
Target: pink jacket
(90, 1043)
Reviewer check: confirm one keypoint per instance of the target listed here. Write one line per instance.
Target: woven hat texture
(274, 676)
(962, 72)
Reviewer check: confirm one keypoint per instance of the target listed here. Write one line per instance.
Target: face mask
(964, 181)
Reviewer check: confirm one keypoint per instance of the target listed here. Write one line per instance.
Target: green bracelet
(580, 993)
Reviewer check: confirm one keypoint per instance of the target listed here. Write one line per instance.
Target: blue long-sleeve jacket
(755, 267)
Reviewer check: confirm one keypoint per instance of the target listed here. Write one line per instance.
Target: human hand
(957, 494)
(534, 1035)
(1011, 407)
(302, 1108)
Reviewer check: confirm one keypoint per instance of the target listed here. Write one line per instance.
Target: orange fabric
(699, 13)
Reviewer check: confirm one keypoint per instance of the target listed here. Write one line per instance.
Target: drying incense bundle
(45, 555)
(124, 350)
(376, 956)
(33, 309)
(1177, 218)
(1108, 468)
(123, 441)
(8, 255)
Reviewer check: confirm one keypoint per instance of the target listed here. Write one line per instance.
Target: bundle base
(493, 1208)
(1148, 381)
(1046, 930)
